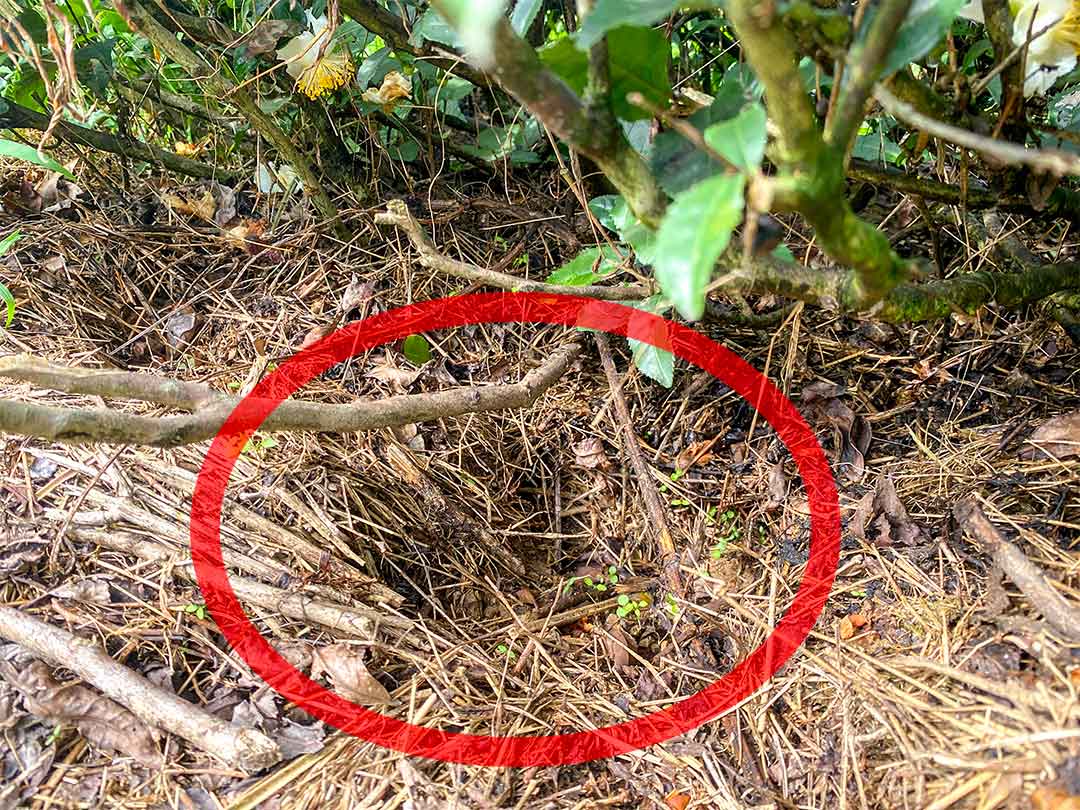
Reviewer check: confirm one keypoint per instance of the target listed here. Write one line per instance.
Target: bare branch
(15, 116)
(239, 747)
(1053, 161)
(211, 409)
(398, 214)
(1059, 614)
(862, 69)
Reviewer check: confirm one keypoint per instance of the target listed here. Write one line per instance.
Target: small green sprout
(729, 531)
(672, 605)
(198, 610)
(502, 649)
(54, 735)
(259, 444)
(630, 607)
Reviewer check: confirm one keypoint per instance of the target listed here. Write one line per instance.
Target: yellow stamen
(333, 71)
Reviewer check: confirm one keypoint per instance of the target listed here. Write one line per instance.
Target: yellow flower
(315, 76)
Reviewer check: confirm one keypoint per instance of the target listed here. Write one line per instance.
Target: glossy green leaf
(610, 14)
(22, 151)
(433, 27)
(579, 270)
(926, 25)
(524, 13)
(475, 22)
(416, 349)
(695, 231)
(8, 241)
(9, 303)
(614, 214)
(678, 163)
(741, 140)
(654, 362)
(637, 61)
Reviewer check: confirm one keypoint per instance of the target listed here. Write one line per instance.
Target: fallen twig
(242, 748)
(397, 213)
(1059, 614)
(358, 622)
(646, 485)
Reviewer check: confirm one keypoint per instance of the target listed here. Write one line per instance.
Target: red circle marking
(554, 749)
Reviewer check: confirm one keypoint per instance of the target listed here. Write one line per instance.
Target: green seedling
(502, 649)
(729, 531)
(197, 610)
(630, 607)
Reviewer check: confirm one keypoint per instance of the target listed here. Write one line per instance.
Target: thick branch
(239, 747)
(812, 181)
(908, 303)
(15, 116)
(211, 409)
(398, 214)
(518, 69)
(1062, 202)
(862, 69)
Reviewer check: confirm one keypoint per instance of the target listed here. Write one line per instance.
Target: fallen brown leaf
(317, 333)
(1056, 438)
(676, 800)
(589, 453)
(850, 625)
(1052, 798)
(100, 720)
(344, 663)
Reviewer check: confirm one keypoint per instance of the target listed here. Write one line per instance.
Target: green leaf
(925, 26)
(22, 151)
(653, 361)
(375, 67)
(8, 241)
(9, 302)
(613, 213)
(94, 64)
(609, 14)
(416, 350)
(741, 140)
(579, 270)
(433, 27)
(783, 253)
(475, 22)
(695, 231)
(678, 163)
(524, 13)
(637, 61)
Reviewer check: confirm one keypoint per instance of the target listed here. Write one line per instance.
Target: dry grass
(952, 694)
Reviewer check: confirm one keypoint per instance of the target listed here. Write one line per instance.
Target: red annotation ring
(555, 749)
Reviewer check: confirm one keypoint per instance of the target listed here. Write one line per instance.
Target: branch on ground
(243, 748)
(1058, 613)
(397, 213)
(210, 409)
